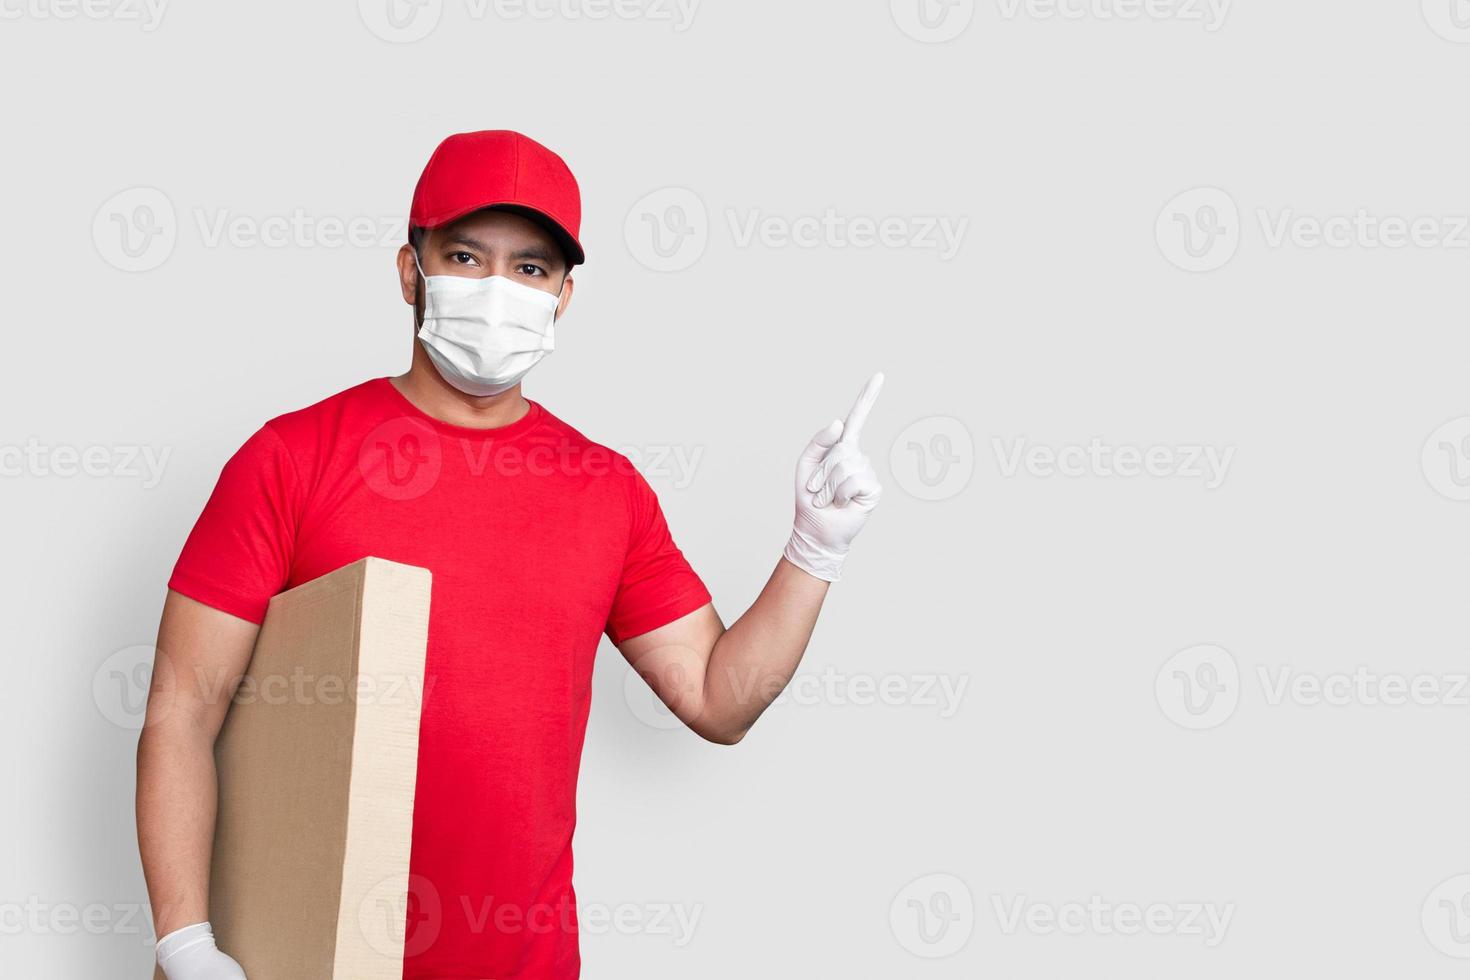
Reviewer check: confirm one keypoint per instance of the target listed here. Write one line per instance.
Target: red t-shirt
(539, 541)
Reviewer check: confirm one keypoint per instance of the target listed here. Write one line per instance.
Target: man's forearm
(717, 680)
(177, 786)
(177, 797)
(754, 659)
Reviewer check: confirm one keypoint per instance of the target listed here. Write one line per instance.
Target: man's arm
(202, 654)
(717, 680)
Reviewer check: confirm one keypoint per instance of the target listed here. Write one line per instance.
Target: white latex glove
(190, 954)
(836, 490)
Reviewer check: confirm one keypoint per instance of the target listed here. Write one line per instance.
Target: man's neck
(437, 398)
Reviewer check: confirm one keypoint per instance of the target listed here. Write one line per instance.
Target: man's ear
(567, 286)
(408, 274)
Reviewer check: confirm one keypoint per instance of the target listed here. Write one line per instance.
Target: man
(539, 542)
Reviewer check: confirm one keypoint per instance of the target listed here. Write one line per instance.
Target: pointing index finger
(852, 428)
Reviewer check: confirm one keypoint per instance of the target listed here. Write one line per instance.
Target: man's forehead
(491, 229)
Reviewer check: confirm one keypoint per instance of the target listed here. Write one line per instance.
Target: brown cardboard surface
(317, 761)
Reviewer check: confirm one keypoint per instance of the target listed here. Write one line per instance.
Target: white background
(1076, 146)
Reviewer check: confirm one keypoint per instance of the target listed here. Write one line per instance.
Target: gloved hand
(190, 954)
(836, 490)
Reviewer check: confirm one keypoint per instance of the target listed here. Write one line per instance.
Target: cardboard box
(317, 761)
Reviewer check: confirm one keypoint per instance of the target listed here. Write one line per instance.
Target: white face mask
(485, 334)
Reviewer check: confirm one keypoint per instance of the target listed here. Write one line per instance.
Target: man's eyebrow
(528, 252)
(532, 252)
(474, 243)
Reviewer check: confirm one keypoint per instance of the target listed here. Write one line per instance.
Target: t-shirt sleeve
(657, 585)
(239, 553)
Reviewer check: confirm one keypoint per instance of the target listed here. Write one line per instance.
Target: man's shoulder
(566, 432)
(572, 441)
(361, 400)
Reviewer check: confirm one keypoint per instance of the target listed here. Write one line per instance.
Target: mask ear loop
(422, 293)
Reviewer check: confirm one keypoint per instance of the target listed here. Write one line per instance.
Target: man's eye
(532, 270)
(463, 258)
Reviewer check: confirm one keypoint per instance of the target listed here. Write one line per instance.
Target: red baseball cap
(500, 169)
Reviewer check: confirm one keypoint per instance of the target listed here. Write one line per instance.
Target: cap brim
(570, 247)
